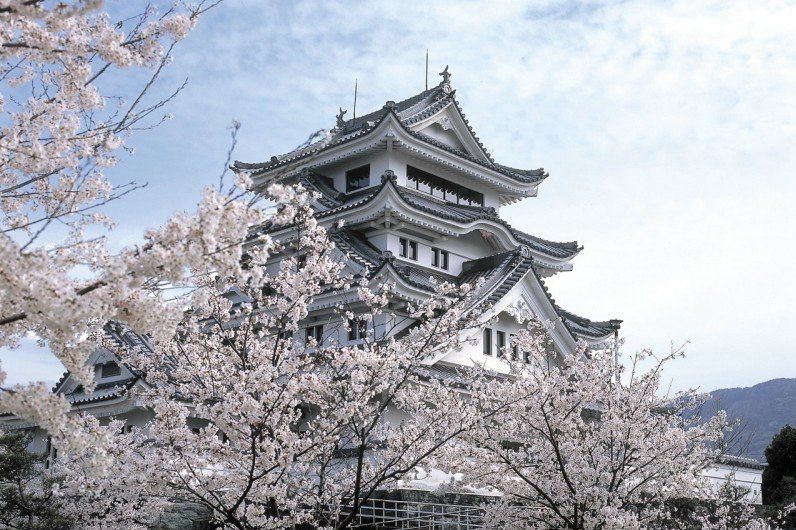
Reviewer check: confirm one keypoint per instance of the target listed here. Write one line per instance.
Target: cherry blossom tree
(575, 449)
(267, 425)
(256, 421)
(59, 281)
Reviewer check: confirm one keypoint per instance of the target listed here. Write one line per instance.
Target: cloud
(29, 362)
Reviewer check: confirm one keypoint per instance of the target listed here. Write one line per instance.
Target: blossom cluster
(258, 424)
(58, 132)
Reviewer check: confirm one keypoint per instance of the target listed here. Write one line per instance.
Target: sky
(668, 130)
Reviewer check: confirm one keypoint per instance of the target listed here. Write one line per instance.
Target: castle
(419, 198)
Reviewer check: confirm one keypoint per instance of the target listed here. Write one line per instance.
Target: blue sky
(667, 128)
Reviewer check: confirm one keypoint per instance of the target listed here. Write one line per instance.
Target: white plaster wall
(750, 479)
(436, 131)
(334, 331)
(463, 248)
(382, 242)
(475, 352)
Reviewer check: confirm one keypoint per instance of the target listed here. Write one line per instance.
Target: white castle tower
(419, 196)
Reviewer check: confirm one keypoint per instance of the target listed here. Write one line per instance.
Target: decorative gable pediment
(100, 357)
(448, 126)
(443, 131)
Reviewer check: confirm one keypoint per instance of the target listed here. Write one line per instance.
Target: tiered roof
(112, 389)
(531, 256)
(407, 113)
(499, 272)
(332, 202)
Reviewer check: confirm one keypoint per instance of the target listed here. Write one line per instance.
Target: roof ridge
(354, 123)
(358, 244)
(528, 177)
(479, 264)
(469, 128)
(587, 321)
(568, 244)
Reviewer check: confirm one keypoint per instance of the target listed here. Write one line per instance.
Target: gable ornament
(340, 118)
(520, 310)
(446, 76)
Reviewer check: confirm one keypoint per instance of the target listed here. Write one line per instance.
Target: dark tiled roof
(408, 112)
(357, 247)
(553, 248)
(465, 214)
(122, 337)
(514, 271)
(327, 195)
(422, 278)
(117, 390)
(500, 273)
(475, 269)
(740, 461)
(521, 175)
(584, 327)
(329, 141)
(446, 210)
(577, 325)
(413, 109)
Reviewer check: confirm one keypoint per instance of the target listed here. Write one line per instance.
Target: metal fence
(386, 513)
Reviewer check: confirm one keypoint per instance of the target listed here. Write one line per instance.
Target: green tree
(779, 478)
(26, 494)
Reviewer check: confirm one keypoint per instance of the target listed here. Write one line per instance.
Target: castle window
(487, 341)
(110, 369)
(357, 329)
(315, 332)
(440, 187)
(48, 449)
(439, 258)
(501, 343)
(357, 178)
(408, 248)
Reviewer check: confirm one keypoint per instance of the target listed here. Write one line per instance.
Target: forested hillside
(763, 410)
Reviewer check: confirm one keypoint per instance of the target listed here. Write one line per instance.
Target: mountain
(763, 410)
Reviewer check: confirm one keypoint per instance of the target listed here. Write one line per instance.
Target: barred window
(408, 248)
(501, 343)
(357, 329)
(315, 332)
(110, 369)
(357, 178)
(439, 258)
